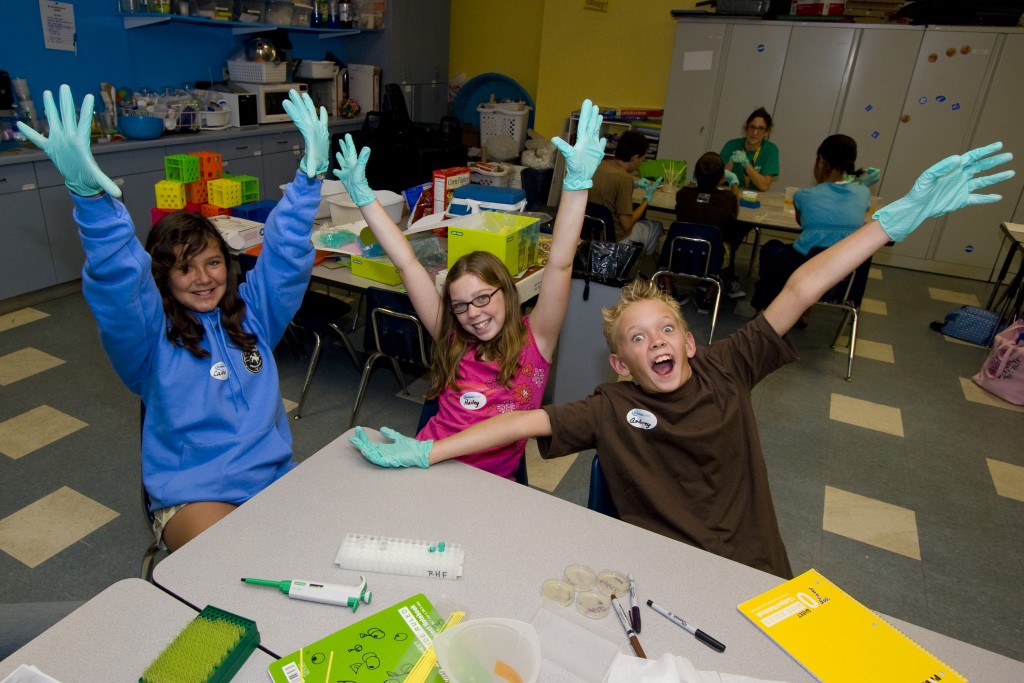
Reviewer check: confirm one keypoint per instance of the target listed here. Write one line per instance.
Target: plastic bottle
(333, 18)
(317, 15)
(346, 14)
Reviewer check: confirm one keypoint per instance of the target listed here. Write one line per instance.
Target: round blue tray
(478, 90)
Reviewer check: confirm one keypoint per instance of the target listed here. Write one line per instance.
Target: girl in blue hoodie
(182, 334)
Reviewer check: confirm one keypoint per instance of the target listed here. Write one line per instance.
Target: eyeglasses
(757, 129)
(478, 302)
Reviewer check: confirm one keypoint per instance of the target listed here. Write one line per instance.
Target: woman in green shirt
(753, 158)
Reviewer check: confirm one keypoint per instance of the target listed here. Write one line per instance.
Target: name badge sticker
(219, 371)
(472, 400)
(641, 419)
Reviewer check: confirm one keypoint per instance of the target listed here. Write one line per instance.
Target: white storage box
(498, 120)
(344, 210)
(257, 72)
(491, 174)
(329, 188)
(314, 69)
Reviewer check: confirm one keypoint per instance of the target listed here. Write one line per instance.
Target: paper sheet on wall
(364, 86)
(697, 60)
(58, 19)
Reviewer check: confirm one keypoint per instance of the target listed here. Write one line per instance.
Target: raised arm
(68, 145)
(945, 187)
(581, 160)
(351, 172)
(404, 451)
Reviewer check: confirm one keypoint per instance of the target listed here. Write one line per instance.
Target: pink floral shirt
(481, 395)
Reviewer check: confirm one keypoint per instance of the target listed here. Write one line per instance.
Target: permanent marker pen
(697, 633)
(634, 607)
(630, 633)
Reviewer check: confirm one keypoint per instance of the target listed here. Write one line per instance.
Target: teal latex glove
(739, 157)
(642, 183)
(402, 452)
(870, 177)
(946, 186)
(582, 159)
(68, 145)
(651, 189)
(314, 131)
(351, 172)
(731, 179)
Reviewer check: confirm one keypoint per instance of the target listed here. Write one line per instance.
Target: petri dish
(612, 582)
(593, 605)
(580, 576)
(558, 591)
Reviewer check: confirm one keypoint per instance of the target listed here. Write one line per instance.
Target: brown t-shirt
(688, 464)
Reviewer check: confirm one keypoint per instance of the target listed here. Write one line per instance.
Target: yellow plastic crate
(224, 193)
(513, 239)
(170, 194)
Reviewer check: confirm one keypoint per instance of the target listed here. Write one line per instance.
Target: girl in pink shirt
(488, 358)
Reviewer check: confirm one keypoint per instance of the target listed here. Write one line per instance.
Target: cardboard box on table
(378, 269)
(512, 238)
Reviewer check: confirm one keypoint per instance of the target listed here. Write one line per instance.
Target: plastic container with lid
(558, 591)
(344, 209)
(593, 604)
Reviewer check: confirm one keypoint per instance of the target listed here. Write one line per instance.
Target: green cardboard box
(379, 269)
(511, 237)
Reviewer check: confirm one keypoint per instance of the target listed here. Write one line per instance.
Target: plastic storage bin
(345, 211)
(257, 72)
(280, 13)
(496, 121)
(493, 175)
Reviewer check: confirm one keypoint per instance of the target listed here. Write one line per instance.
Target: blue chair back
(600, 498)
(598, 223)
(703, 258)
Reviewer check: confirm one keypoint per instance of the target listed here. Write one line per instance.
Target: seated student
(708, 203)
(488, 357)
(183, 335)
(614, 181)
(827, 213)
(679, 443)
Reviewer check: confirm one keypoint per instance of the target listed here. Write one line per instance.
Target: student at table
(753, 158)
(614, 181)
(487, 358)
(679, 443)
(183, 335)
(827, 212)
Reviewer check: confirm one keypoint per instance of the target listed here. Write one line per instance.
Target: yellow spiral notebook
(839, 640)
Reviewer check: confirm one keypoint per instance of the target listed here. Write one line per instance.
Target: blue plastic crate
(255, 211)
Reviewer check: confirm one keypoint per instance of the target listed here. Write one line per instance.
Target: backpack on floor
(969, 324)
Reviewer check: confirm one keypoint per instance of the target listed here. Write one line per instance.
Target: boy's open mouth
(663, 365)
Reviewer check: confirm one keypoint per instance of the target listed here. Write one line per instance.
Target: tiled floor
(905, 486)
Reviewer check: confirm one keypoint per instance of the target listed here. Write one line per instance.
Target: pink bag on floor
(1003, 373)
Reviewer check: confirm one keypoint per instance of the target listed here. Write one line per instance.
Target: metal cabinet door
(946, 89)
(753, 72)
(816, 64)
(877, 87)
(25, 263)
(971, 237)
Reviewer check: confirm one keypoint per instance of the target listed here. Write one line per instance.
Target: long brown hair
(454, 341)
(172, 243)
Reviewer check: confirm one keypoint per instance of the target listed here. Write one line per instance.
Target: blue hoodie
(215, 428)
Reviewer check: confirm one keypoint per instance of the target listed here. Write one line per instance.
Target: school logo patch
(219, 371)
(473, 400)
(252, 360)
(641, 419)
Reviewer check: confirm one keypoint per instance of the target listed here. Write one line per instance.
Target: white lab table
(514, 537)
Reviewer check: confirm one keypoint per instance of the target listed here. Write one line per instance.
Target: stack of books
(872, 11)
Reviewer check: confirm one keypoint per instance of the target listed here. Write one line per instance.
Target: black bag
(610, 263)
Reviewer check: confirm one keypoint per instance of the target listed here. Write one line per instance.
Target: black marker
(697, 633)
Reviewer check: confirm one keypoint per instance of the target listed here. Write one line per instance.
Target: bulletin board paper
(58, 19)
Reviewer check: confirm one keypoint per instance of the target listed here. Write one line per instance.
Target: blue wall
(152, 56)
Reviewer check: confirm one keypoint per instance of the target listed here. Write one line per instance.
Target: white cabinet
(25, 263)
(909, 96)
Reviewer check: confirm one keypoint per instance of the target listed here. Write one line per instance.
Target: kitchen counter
(29, 152)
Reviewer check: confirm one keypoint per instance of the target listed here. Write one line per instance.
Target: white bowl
(344, 210)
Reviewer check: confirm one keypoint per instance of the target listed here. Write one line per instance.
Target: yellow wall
(561, 52)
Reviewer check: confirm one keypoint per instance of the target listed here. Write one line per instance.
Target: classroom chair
(394, 332)
(319, 314)
(599, 498)
(694, 251)
(846, 295)
(598, 223)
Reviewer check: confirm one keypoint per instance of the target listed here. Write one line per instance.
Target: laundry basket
(492, 175)
(508, 120)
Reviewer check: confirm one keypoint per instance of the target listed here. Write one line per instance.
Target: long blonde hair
(452, 339)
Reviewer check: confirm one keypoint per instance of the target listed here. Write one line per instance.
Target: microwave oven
(242, 106)
(270, 98)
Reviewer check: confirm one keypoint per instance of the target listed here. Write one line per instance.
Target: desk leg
(753, 249)
(1003, 270)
